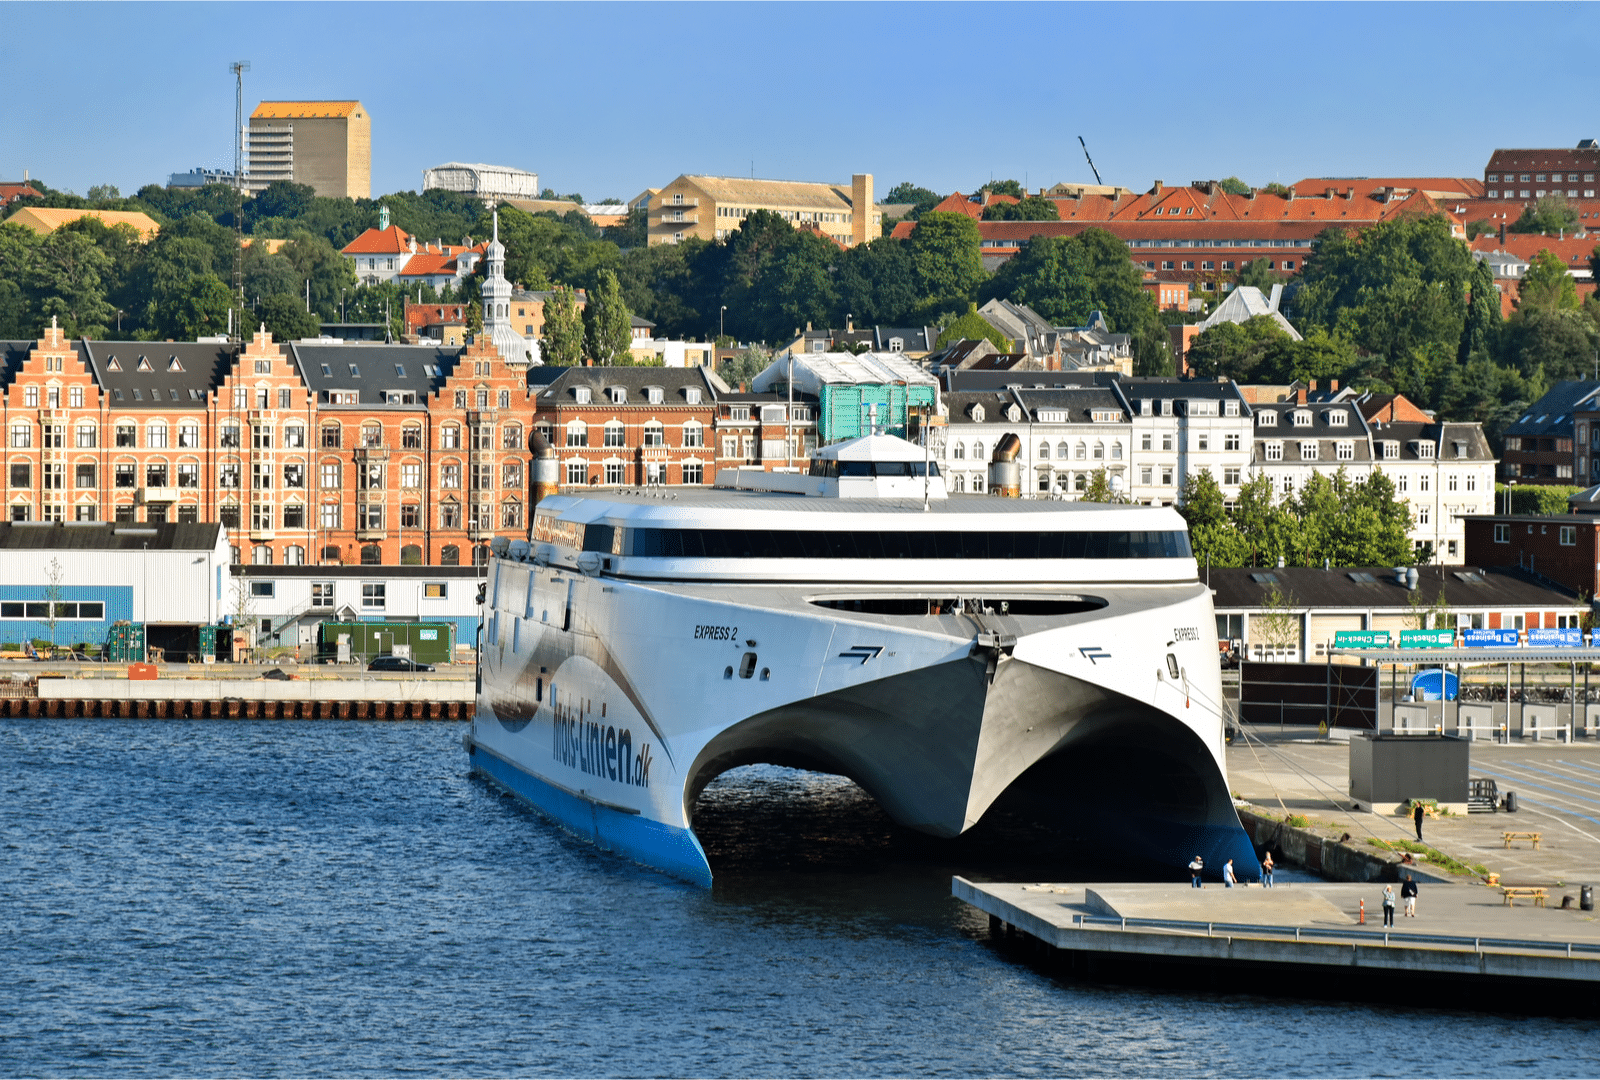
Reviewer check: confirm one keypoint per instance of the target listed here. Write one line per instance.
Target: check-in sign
(1361, 639)
(1485, 639)
(1427, 639)
(1564, 639)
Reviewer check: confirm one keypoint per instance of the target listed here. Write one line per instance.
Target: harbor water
(341, 898)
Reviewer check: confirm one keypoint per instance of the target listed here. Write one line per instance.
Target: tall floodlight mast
(236, 317)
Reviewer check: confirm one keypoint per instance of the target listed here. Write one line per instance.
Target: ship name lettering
(600, 750)
(716, 633)
(1186, 633)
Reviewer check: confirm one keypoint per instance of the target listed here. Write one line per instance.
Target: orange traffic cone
(1363, 920)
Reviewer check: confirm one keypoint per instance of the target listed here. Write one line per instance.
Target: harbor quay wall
(359, 698)
(1333, 860)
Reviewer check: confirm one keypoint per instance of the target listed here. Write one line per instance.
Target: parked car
(389, 662)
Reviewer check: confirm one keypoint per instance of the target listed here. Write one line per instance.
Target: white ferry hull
(610, 703)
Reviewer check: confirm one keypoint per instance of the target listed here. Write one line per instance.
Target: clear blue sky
(606, 99)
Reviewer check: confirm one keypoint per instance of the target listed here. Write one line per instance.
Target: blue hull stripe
(655, 844)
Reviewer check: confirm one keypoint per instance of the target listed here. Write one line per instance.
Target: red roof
(429, 264)
(391, 241)
(1573, 250)
(8, 192)
(957, 203)
(1363, 187)
(1246, 231)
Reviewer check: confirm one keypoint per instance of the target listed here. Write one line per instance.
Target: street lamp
(1509, 485)
(722, 319)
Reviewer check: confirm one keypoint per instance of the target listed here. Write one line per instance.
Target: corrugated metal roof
(108, 536)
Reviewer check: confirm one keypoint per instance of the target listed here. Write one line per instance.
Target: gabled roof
(379, 369)
(1243, 304)
(1444, 437)
(1552, 414)
(913, 338)
(738, 189)
(391, 241)
(1573, 249)
(46, 219)
(159, 374)
(555, 385)
(1237, 588)
(1389, 409)
(109, 536)
(13, 354)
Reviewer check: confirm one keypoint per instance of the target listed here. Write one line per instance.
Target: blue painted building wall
(118, 600)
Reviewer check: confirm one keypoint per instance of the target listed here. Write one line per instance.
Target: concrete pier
(356, 696)
(1466, 945)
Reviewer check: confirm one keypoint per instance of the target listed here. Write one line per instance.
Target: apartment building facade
(713, 207)
(326, 144)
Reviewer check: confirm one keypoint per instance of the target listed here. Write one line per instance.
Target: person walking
(1416, 816)
(1408, 892)
(1266, 871)
(1227, 875)
(1195, 866)
(1388, 906)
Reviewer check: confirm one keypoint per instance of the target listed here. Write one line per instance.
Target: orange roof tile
(391, 241)
(957, 203)
(1574, 250)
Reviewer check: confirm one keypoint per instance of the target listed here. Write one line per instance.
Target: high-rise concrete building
(326, 144)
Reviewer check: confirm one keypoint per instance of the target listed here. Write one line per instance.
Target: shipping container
(125, 643)
(427, 642)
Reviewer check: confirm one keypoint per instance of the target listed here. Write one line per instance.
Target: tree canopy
(1351, 523)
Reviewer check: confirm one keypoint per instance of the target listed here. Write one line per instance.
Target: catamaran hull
(1076, 718)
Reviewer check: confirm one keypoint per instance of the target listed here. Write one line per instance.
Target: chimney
(1250, 194)
(808, 326)
(1300, 396)
(1329, 193)
(1349, 193)
(863, 210)
(1157, 189)
(1313, 386)
(1333, 385)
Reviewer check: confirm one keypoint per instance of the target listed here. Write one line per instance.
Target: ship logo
(862, 652)
(1094, 653)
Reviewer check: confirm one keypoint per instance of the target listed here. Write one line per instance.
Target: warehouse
(67, 583)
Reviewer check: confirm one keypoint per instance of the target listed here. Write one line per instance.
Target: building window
(450, 476)
(1273, 451)
(294, 516)
(1423, 515)
(330, 476)
(374, 594)
(615, 472)
(1424, 482)
(411, 475)
(1569, 535)
(614, 434)
(411, 437)
(85, 475)
(331, 436)
(1472, 483)
(511, 475)
(188, 475)
(1230, 442)
(1345, 451)
(693, 472)
(577, 433)
(1308, 451)
(1166, 476)
(328, 516)
(577, 472)
(1230, 475)
(450, 437)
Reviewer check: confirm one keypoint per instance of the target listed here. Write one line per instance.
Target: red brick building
(628, 425)
(1564, 548)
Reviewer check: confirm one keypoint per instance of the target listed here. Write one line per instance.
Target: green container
(431, 642)
(845, 408)
(125, 643)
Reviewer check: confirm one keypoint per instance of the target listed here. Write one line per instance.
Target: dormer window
(1424, 450)
(1338, 418)
(1266, 419)
(1013, 413)
(619, 395)
(1391, 451)
(1166, 406)
(1144, 407)
(1230, 408)
(692, 395)
(897, 344)
(654, 394)
(1302, 418)
(977, 414)
(580, 394)
(1461, 449)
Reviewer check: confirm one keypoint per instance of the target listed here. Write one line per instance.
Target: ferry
(945, 652)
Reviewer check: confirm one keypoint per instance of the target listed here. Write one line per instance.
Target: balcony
(670, 206)
(148, 495)
(667, 219)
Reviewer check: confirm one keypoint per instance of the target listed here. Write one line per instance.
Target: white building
(1067, 433)
(1180, 428)
(287, 604)
(86, 575)
(491, 183)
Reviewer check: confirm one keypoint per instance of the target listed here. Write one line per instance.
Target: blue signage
(1568, 639)
(1483, 639)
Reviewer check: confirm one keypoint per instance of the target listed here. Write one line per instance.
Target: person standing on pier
(1195, 866)
(1408, 892)
(1227, 875)
(1416, 816)
(1388, 906)
(1266, 871)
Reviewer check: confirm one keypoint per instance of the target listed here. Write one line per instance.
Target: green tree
(285, 315)
(330, 273)
(1481, 326)
(1215, 540)
(1005, 187)
(1234, 186)
(1277, 624)
(103, 193)
(1547, 286)
(1258, 274)
(1032, 208)
(1099, 489)
(1278, 189)
(1477, 228)
(607, 327)
(1252, 351)
(67, 275)
(741, 369)
(874, 284)
(1550, 213)
(562, 343)
(1548, 346)
(945, 256)
(971, 327)
(634, 232)
(920, 198)
(200, 310)
(18, 250)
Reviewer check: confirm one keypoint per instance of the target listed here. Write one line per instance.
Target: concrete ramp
(1284, 905)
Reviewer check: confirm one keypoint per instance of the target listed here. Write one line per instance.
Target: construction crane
(1090, 160)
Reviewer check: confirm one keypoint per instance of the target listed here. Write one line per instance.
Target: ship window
(747, 665)
(823, 544)
(727, 672)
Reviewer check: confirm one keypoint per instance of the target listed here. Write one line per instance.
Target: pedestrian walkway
(1557, 786)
